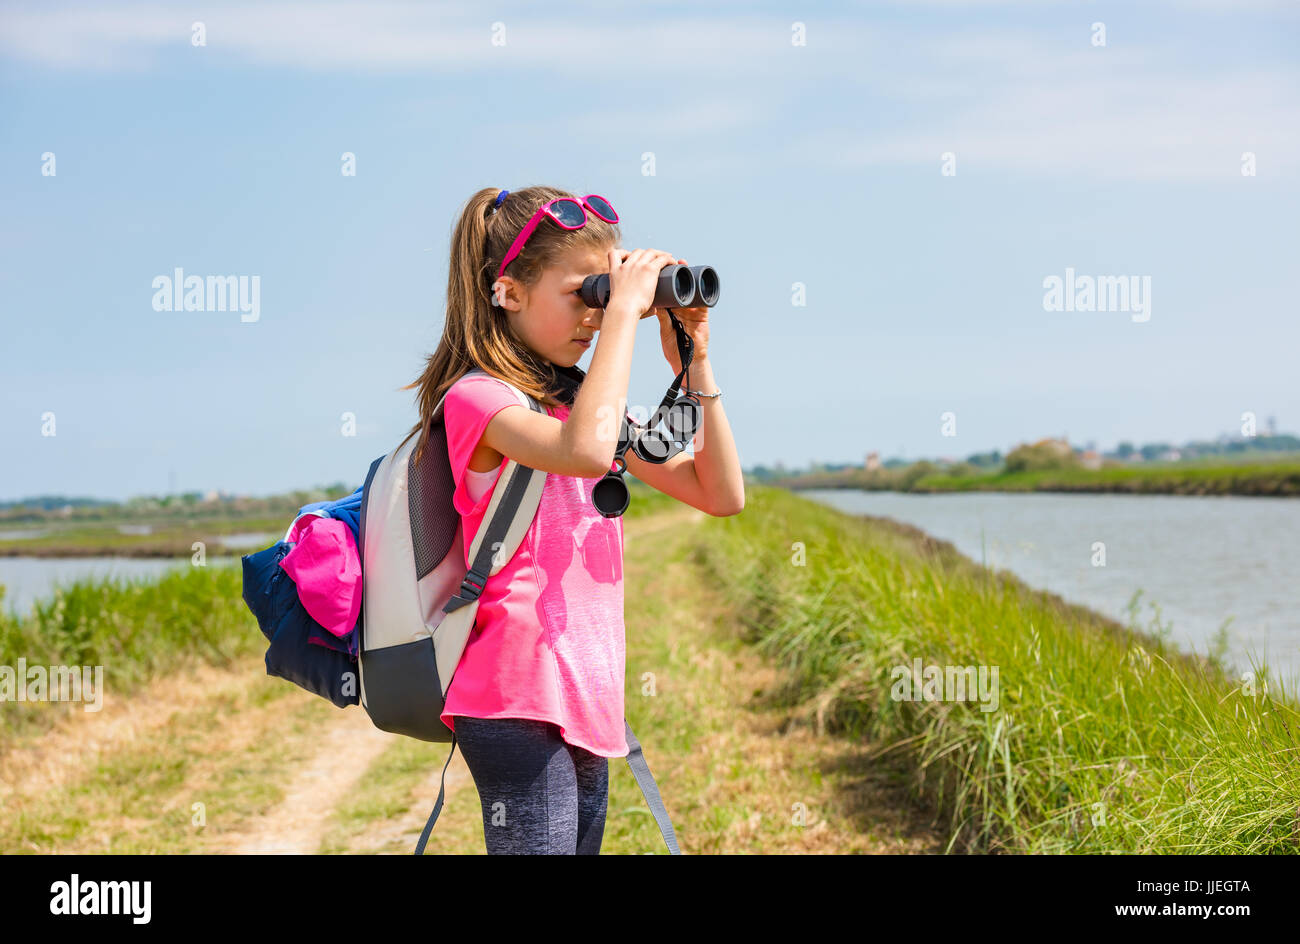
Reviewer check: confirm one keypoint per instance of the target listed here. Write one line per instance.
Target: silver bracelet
(707, 396)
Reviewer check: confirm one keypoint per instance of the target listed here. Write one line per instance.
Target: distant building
(1170, 455)
(873, 461)
(1091, 459)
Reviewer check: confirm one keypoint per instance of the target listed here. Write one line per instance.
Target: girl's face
(550, 315)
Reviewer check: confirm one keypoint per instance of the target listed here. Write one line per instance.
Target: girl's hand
(634, 276)
(696, 323)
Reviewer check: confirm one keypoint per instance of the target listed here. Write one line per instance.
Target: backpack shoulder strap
(649, 789)
(511, 511)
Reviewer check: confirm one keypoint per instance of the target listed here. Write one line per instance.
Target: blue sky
(819, 164)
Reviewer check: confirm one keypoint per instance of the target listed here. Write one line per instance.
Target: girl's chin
(564, 361)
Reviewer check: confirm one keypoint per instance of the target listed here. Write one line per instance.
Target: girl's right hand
(634, 276)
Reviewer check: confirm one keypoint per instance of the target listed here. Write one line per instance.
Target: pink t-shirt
(548, 638)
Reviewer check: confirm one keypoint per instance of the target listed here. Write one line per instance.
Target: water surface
(1203, 560)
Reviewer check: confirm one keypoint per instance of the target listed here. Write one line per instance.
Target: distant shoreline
(1279, 479)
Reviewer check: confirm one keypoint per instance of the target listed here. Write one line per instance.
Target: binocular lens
(683, 286)
(706, 280)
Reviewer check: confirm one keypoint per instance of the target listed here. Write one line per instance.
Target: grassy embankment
(1105, 739)
(1278, 478)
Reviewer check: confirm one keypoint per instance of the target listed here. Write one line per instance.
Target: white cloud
(388, 36)
(1155, 129)
(861, 94)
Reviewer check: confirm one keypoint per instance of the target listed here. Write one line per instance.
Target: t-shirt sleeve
(468, 408)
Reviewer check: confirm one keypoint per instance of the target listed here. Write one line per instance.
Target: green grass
(1244, 478)
(1278, 477)
(1106, 739)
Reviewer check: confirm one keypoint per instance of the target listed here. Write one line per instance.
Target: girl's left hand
(696, 323)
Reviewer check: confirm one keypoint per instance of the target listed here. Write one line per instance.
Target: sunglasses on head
(566, 212)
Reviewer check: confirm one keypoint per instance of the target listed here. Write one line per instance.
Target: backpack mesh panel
(433, 518)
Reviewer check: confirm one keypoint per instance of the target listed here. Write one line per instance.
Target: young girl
(536, 701)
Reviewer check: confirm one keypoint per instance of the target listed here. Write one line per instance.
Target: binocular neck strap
(686, 352)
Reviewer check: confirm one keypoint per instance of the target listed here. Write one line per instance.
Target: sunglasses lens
(600, 206)
(568, 213)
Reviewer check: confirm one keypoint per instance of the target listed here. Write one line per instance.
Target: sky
(886, 190)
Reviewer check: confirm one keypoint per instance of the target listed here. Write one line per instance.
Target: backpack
(420, 598)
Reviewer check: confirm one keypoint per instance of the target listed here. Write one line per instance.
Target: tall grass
(136, 629)
(1106, 739)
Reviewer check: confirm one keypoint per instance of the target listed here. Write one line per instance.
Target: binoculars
(679, 287)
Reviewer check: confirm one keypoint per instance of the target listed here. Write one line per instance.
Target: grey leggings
(540, 794)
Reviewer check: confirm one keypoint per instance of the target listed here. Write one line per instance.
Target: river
(1202, 560)
(27, 579)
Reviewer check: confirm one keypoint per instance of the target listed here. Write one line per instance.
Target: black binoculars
(679, 287)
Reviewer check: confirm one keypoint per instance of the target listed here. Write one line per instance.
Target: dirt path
(297, 825)
(404, 831)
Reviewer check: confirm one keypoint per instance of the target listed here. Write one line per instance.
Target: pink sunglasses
(566, 212)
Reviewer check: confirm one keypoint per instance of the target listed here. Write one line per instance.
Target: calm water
(22, 534)
(1202, 560)
(27, 579)
(253, 540)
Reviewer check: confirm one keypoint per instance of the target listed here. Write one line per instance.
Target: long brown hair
(477, 334)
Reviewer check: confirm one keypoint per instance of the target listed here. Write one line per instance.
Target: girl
(536, 701)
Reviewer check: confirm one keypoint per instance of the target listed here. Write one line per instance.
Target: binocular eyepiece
(679, 287)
